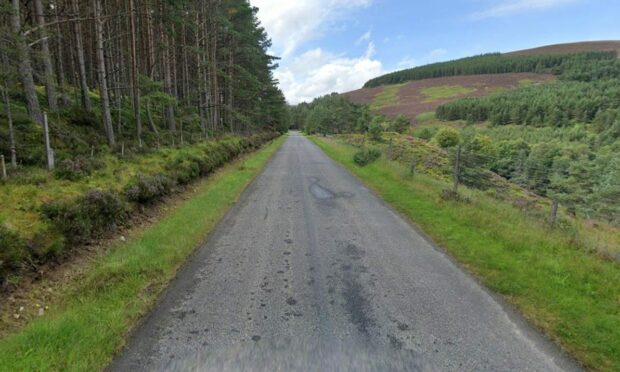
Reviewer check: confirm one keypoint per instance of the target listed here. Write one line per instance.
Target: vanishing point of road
(311, 271)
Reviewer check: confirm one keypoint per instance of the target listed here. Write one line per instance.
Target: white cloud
(317, 72)
(510, 7)
(363, 38)
(292, 23)
(436, 53)
(407, 62)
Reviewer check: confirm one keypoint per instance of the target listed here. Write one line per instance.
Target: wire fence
(538, 178)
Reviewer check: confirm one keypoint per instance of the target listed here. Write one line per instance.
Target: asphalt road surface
(311, 271)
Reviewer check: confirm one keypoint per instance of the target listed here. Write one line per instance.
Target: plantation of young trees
(571, 152)
(134, 72)
(497, 63)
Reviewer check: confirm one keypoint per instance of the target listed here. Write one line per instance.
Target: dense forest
(336, 114)
(109, 106)
(497, 63)
(136, 72)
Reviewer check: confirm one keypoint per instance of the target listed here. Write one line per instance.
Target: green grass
(94, 315)
(387, 98)
(571, 294)
(425, 116)
(525, 82)
(445, 91)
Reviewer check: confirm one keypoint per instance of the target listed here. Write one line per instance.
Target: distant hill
(583, 46)
(422, 89)
(423, 96)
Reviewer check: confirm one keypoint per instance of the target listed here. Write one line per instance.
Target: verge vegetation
(557, 282)
(91, 318)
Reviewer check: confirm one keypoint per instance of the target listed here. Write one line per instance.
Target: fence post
(3, 166)
(554, 211)
(48, 148)
(414, 164)
(457, 169)
(122, 149)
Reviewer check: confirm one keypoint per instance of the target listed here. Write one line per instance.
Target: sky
(337, 45)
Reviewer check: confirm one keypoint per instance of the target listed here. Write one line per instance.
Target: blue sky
(337, 45)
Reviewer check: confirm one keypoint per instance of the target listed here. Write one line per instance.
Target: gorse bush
(366, 156)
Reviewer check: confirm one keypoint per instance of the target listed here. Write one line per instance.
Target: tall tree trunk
(79, 49)
(149, 116)
(169, 110)
(50, 80)
(134, 73)
(9, 116)
(199, 69)
(231, 61)
(172, 47)
(185, 79)
(150, 39)
(25, 68)
(101, 72)
(60, 68)
(215, 91)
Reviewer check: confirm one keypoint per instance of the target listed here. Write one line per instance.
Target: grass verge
(571, 294)
(94, 315)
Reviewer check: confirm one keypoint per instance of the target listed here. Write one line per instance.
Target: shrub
(366, 156)
(451, 195)
(145, 189)
(447, 137)
(183, 169)
(77, 168)
(374, 130)
(12, 252)
(82, 118)
(400, 124)
(425, 133)
(87, 217)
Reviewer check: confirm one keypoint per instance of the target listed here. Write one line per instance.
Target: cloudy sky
(337, 45)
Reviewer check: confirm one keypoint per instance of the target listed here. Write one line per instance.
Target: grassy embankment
(570, 293)
(93, 316)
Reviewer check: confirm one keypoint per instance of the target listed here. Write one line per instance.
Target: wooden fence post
(3, 166)
(457, 169)
(554, 211)
(48, 148)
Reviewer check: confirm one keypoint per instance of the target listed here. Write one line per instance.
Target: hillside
(418, 97)
(583, 46)
(422, 89)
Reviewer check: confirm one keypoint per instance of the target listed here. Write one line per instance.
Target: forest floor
(78, 315)
(565, 290)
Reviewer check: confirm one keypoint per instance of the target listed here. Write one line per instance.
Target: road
(310, 270)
